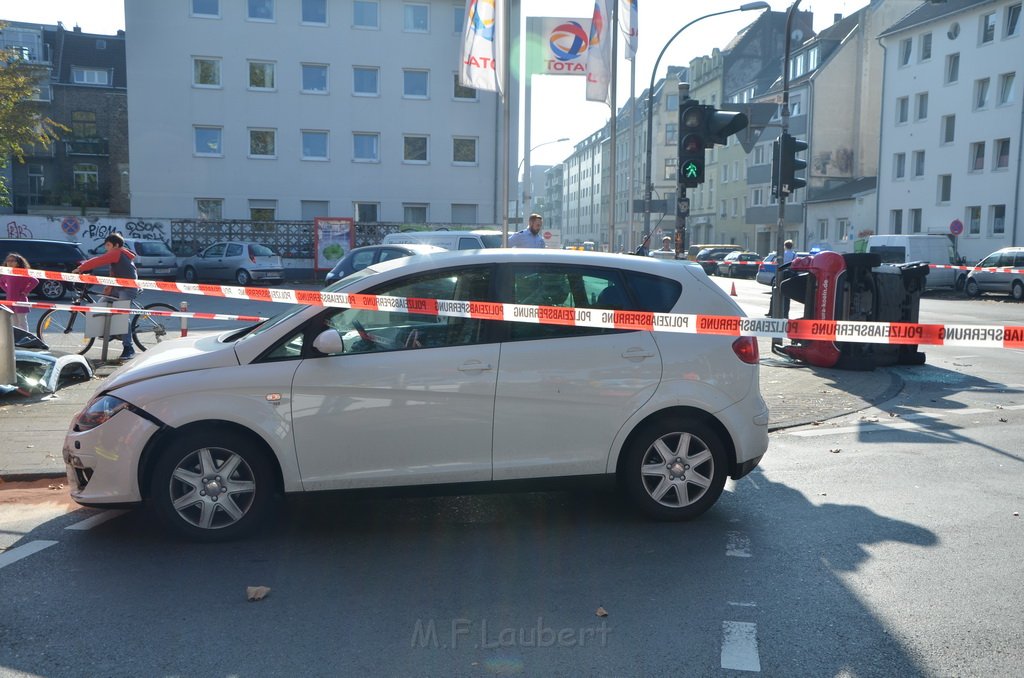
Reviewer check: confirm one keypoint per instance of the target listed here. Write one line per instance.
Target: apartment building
(282, 109)
(952, 124)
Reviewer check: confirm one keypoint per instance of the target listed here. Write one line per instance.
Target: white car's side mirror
(329, 342)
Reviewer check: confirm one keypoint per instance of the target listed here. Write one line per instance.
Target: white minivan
(449, 240)
(932, 249)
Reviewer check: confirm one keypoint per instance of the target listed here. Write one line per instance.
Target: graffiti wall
(89, 232)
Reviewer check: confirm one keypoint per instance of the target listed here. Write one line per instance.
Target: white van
(449, 240)
(933, 249)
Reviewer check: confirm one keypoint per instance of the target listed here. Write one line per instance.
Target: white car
(210, 429)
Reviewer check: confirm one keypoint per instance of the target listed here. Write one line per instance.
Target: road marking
(739, 646)
(16, 554)
(97, 519)
(738, 545)
(743, 604)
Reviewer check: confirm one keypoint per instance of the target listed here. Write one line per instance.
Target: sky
(560, 108)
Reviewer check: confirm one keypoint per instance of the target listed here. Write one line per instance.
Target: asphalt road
(884, 543)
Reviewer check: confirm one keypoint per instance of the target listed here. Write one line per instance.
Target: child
(17, 287)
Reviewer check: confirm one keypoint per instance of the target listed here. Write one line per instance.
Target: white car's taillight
(746, 350)
(99, 411)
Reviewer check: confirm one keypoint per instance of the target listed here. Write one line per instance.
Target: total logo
(482, 15)
(569, 41)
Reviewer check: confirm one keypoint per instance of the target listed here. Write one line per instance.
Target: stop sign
(547, 235)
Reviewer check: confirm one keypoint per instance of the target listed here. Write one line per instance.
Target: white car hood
(173, 357)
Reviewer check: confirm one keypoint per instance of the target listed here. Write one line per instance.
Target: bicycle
(65, 330)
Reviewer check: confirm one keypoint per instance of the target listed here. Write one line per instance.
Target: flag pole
(506, 116)
(632, 152)
(613, 28)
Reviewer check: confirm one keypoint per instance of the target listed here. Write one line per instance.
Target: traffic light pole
(682, 203)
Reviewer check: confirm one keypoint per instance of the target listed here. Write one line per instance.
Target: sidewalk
(32, 429)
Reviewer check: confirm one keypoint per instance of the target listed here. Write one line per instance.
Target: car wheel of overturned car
(211, 485)
(674, 469)
(1017, 290)
(52, 290)
(972, 288)
(190, 275)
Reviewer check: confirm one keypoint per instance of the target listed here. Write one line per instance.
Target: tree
(22, 124)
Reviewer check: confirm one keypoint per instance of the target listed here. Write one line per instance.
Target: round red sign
(547, 235)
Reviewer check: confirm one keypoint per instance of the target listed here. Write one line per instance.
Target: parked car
(709, 257)
(154, 260)
(745, 268)
(1009, 281)
(361, 257)
(242, 262)
(47, 255)
(449, 240)
(693, 250)
(931, 249)
(209, 429)
(766, 270)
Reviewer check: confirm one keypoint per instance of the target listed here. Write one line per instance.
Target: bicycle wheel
(150, 330)
(64, 331)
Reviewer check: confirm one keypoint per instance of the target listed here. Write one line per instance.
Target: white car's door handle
(474, 366)
(637, 354)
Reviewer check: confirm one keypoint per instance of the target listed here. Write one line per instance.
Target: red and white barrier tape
(999, 336)
(131, 311)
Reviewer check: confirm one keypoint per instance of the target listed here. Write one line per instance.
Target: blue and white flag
(483, 46)
(629, 24)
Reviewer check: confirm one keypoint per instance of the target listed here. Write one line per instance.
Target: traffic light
(721, 125)
(785, 165)
(691, 143)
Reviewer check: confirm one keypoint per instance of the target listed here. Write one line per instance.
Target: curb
(15, 477)
(896, 385)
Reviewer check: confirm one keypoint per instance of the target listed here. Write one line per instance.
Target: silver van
(1009, 280)
(449, 240)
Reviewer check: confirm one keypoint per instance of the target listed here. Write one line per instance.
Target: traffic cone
(732, 292)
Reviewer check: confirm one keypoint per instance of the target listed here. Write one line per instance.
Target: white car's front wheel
(675, 469)
(212, 486)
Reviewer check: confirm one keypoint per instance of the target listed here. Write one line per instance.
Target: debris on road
(601, 612)
(254, 593)
(836, 451)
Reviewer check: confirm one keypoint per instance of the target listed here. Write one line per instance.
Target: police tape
(998, 336)
(114, 310)
(980, 269)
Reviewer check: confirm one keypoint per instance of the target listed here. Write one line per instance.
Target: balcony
(94, 146)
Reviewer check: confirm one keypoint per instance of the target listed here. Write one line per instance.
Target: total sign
(557, 46)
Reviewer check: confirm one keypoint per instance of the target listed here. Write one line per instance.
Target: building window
(83, 125)
(725, 173)
(1001, 151)
(926, 47)
(757, 197)
(952, 68)
(366, 14)
(948, 129)
(314, 78)
(671, 134)
(812, 59)
(365, 147)
(366, 81)
(974, 220)
(262, 143)
(414, 149)
(981, 93)
(945, 187)
(977, 157)
(918, 163)
(210, 209)
(415, 84)
(87, 177)
(906, 49)
(1006, 81)
(367, 212)
(922, 106)
(417, 18)
(670, 168)
(463, 213)
(843, 229)
(896, 221)
(1012, 21)
(464, 151)
(458, 18)
(311, 209)
(205, 72)
(988, 27)
(822, 229)
(260, 10)
(207, 141)
(314, 145)
(314, 11)
(672, 102)
(463, 93)
(414, 213)
(902, 109)
(915, 220)
(261, 75)
(262, 210)
(759, 155)
(205, 8)
(90, 76)
(997, 219)
(899, 165)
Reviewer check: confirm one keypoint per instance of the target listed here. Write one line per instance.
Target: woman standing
(17, 287)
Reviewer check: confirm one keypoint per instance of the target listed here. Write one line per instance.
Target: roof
(929, 12)
(847, 191)
(75, 49)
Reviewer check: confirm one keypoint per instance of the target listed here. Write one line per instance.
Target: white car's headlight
(100, 410)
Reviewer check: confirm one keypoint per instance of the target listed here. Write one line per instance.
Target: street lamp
(648, 183)
(527, 184)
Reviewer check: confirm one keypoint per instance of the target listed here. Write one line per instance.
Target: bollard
(183, 307)
(8, 367)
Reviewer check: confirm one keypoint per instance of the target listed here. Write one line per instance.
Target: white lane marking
(739, 646)
(743, 604)
(738, 545)
(16, 554)
(98, 519)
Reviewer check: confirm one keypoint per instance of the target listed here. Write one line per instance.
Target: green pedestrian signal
(690, 170)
